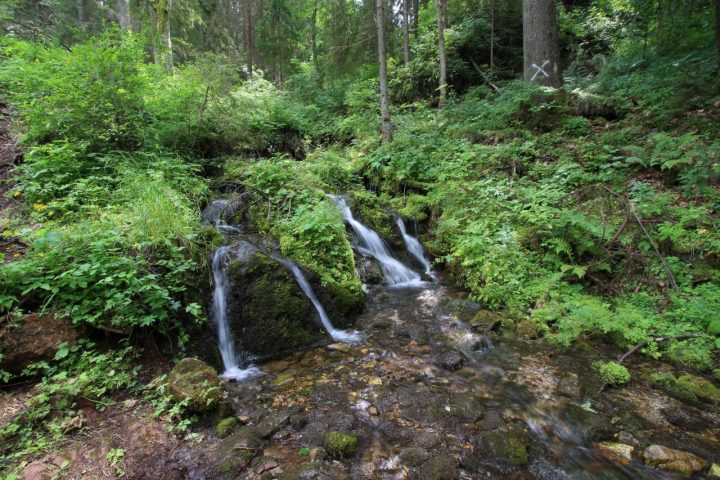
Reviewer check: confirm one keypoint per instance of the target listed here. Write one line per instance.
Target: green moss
(349, 298)
(612, 373)
(688, 387)
(340, 445)
(369, 209)
(198, 383)
(508, 447)
(226, 426)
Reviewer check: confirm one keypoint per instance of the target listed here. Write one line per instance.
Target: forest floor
(10, 207)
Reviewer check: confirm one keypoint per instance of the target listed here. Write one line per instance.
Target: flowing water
(414, 246)
(396, 274)
(350, 336)
(226, 342)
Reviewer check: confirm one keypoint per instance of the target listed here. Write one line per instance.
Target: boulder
(34, 338)
(198, 383)
(268, 311)
(672, 460)
(616, 452)
(226, 426)
(449, 359)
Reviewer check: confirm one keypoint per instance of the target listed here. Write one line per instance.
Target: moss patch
(340, 445)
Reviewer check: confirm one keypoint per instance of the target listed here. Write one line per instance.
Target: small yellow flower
(39, 207)
(121, 91)
(16, 193)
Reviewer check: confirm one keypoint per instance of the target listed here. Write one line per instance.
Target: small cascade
(349, 336)
(396, 274)
(219, 317)
(215, 216)
(414, 246)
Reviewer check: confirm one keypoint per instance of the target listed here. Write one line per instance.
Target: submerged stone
(616, 452)
(414, 456)
(196, 382)
(440, 468)
(340, 445)
(672, 460)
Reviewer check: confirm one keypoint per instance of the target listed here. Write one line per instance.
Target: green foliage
(612, 373)
(78, 373)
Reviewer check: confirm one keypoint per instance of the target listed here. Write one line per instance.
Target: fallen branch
(637, 347)
(482, 74)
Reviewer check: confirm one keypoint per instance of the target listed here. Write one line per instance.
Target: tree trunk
(492, 35)
(278, 76)
(416, 17)
(122, 13)
(81, 12)
(541, 49)
(248, 36)
(717, 31)
(314, 45)
(440, 15)
(406, 31)
(386, 124)
(164, 8)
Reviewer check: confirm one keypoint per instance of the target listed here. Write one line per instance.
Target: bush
(612, 373)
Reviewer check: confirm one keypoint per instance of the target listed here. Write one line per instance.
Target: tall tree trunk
(164, 8)
(314, 45)
(386, 124)
(406, 31)
(492, 35)
(541, 49)
(440, 15)
(278, 75)
(717, 31)
(122, 13)
(81, 12)
(416, 17)
(248, 36)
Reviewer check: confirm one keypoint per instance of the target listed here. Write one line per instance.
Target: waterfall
(350, 336)
(396, 274)
(215, 215)
(414, 246)
(219, 317)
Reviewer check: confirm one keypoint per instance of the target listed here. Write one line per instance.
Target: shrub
(612, 373)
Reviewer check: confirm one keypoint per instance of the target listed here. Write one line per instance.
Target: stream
(430, 394)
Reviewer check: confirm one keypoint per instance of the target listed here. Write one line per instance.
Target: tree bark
(314, 45)
(164, 7)
(717, 31)
(122, 13)
(386, 124)
(440, 14)
(416, 17)
(541, 49)
(492, 36)
(406, 31)
(247, 4)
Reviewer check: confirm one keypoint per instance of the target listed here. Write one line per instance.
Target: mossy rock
(688, 387)
(440, 468)
(267, 309)
(506, 449)
(341, 445)
(226, 427)
(196, 382)
(369, 210)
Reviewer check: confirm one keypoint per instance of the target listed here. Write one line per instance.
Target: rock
(686, 418)
(414, 456)
(226, 426)
(569, 385)
(527, 329)
(616, 452)
(449, 359)
(237, 451)
(628, 439)
(34, 338)
(541, 469)
(267, 307)
(198, 383)
(484, 320)
(440, 468)
(39, 470)
(504, 449)
(368, 270)
(466, 407)
(673, 460)
(714, 471)
(314, 471)
(272, 423)
(689, 387)
(340, 445)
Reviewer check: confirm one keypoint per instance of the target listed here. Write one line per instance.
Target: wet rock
(492, 419)
(225, 427)
(689, 387)
(237, 451)
(440, 468)
(368, 270)
(40, 470)
(673, 460)
(414, 456)
(714, 471)
(686, 418)
(504, 449)
(628, 439)
(590, 425)
(466, 407)
(341, 445)
(314, 471)
(569, 385)
(32, 339)
(616, 452)
(484, 320)
(272, 423)
(527, 329)
(541, 469)
(298, 421)
(198, 383)
(449, 359)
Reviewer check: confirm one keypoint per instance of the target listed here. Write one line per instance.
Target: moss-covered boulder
(226, 426)
(340, 445)
(269, 314)
(196, 382)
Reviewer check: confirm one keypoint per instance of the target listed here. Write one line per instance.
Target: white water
(215, 214)
(414, 246)
(219, 316)
(349, 336)
(396, 274)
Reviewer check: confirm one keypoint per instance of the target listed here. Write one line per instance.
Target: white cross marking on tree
(540, 70)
